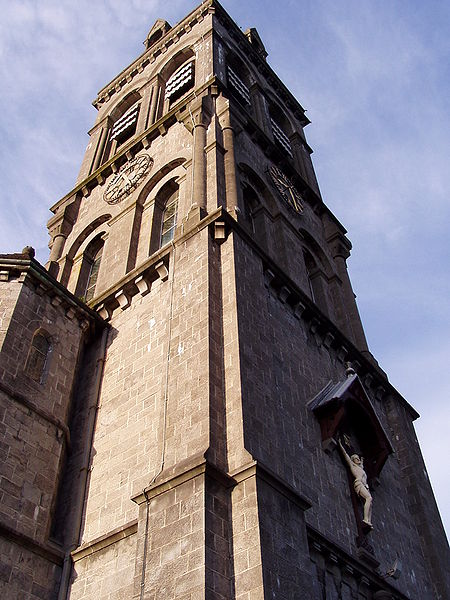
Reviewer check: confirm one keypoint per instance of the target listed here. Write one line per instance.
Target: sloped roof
(333, 391)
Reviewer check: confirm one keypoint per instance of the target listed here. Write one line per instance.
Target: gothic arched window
(38, 356)
(87, 280)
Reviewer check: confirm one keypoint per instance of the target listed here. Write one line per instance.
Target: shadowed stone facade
(174, 384)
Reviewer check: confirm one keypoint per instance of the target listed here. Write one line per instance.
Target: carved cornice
(140, 280)
(257, 469)
(104, 541)
(199, 465)
(30, 272)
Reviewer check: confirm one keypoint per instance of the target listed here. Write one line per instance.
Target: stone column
(154, 102)
(59, 239)
(259, 105)
(199, 162)
(100, 147)
(229, 163)
(144, 109)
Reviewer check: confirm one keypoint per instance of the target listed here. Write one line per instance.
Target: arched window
(93, 275)
(164, 216)
(169, 219)
(122, 122)
(311, 271)
(180, 82)
(36, 366)
(125, 126)
(251, 203)
(87, 280)
(176, 78)
(315, 281)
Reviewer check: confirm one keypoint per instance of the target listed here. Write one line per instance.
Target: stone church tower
(186, 389)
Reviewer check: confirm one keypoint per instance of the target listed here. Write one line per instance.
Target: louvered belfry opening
(180, 81)
(125, 127)
(280, 137)
(238, 85)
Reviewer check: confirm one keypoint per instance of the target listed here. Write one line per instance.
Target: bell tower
(227, 433)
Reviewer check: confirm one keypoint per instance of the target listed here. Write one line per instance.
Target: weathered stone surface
(172, 453)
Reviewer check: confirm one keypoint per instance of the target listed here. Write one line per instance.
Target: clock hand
(298, 205)
(127, 179)
(283, 183)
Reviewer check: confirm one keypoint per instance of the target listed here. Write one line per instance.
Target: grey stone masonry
(177, 388)
(34, 416)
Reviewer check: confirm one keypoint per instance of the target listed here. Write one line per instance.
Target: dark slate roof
(332, 391)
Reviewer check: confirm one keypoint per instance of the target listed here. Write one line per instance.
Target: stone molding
(199, 465)
(31, 272)
(157, 266)
(53, 555)
(181, 473)
(260, 471)
(104, 541)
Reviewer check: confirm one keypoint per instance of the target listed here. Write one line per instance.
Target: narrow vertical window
(38, 355)
(93, 275)
(311, 272)
(251, 203)
(169, 219)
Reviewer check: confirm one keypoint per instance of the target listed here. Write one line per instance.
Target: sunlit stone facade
(176, 382)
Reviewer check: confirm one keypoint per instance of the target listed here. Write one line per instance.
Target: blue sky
(375, 80)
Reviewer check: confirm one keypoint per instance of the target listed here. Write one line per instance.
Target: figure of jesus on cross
(360, 485)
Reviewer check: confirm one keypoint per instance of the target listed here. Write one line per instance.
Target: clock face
(287, 189)
(127, 178)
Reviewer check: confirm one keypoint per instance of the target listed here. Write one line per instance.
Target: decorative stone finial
(29, 251)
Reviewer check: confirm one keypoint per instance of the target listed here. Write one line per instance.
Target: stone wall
(34, 432)
(284, 364)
